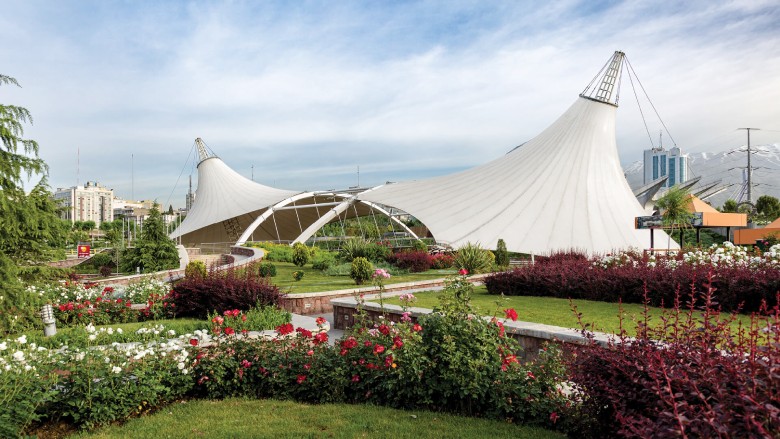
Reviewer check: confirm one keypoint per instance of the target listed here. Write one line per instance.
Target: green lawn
(602, 315)
(239, 418)
(315, 280)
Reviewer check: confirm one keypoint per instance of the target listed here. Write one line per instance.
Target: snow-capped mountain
(727, 167)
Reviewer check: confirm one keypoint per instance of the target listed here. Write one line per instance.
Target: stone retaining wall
(318, 303)
(531, 336)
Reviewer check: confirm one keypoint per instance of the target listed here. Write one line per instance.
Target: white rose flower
(90, 328)
(110, 331)
(19, 356)
(171, 332)
(116, 369)
(22, 339)
(92, 337)
(180, 365)
(119, 330)
(3, 346)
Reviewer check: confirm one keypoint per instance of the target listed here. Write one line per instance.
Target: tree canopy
(154, 250)
(30, 228)
(767, 208)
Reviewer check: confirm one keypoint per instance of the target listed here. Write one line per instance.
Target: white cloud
(308, 92)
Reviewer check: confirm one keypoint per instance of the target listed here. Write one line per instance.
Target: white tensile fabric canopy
(222, 196)
(562, 190)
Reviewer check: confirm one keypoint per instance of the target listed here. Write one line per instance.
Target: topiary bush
(101, 260)
(222, 291)
(361, 270)
(502, 255)
(266, 269)
(300, 254)
(195, 269)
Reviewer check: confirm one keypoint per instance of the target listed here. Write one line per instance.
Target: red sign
(83, 251)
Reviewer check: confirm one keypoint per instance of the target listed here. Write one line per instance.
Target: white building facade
(91, 202)
(659, 163)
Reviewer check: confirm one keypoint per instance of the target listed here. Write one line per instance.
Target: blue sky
(305, 92)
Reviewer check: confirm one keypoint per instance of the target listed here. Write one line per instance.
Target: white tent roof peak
(605, 86)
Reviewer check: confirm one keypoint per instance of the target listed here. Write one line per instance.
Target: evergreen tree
(154, 250)
(30, 229)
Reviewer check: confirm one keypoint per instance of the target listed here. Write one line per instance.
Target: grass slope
(239, 418)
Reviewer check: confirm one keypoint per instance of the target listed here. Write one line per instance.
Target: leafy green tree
(673, 206)
(730, 206)
(30, 229)
(154, 250)
(767, 208)
(170, 209)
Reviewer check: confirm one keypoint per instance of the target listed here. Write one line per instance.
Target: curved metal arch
(338, 210)
(267, 214)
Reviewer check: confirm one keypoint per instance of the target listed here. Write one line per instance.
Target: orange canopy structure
(712, 218)
(750, 236)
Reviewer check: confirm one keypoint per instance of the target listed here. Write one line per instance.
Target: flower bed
(742, 279)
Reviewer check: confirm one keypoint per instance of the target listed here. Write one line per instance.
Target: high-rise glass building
(661, 163)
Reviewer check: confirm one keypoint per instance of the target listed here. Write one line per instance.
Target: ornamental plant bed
(743, 279)
(703, 379)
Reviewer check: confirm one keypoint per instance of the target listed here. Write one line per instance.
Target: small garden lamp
(49, 323)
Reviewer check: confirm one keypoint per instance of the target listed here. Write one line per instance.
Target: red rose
(285, 329)
(194, 341)
(355, 378)
(321, 321)
(511, 314)
(384, 329)
(417, 327)
(301, 379)
(378, 349)
(229, 331)
(322, 337)
(463, 272)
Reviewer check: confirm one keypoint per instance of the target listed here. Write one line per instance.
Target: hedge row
(735, 287)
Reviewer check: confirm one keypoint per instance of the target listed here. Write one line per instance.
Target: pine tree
(30, 229)
(154, 250)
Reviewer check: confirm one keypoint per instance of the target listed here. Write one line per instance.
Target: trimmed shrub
(195, 269)
(419, 245)
(105, 271)
(323, 260)
(222, 291)
(414, 261)
(502, 255)
(361, 270)
(266, 269)
(101, 260)
(572, 275)
(474, 259)
(298, 275)
(300, 254)
(704, 380)
(275, 252)
(442, 261)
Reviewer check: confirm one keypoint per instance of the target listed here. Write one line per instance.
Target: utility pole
(749, 168)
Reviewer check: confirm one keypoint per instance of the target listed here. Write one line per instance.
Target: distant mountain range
(727, 167)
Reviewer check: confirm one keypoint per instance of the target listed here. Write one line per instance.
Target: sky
(299, 95)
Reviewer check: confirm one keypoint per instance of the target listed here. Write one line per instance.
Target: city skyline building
(91, 202)
(659, 163)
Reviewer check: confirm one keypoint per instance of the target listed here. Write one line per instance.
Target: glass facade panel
(655, 167)
(663, 165)
(671, 172)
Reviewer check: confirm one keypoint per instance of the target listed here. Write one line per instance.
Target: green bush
(275, 252)
(195, 269)
(502, 255)
(323, 260)
(300, 254)
(267, 269)
(101, 260)
(474, 259)
(361, 270)
(353, 248)
(419, 245)
(298, 275)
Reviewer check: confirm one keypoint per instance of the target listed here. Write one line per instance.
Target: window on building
(671, 172)
(655, 167)
(663, 165)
